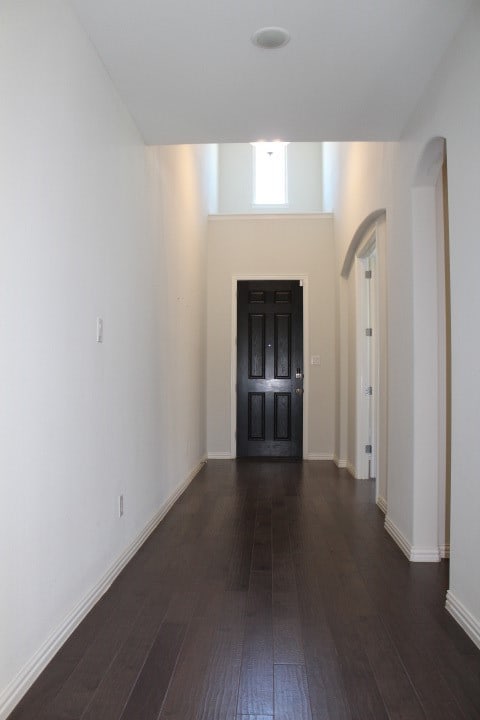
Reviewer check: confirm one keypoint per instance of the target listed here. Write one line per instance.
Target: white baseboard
(351, 470)
(319, 456)
(382, 504)
(412, 552)
(16, 689)
(339, 463)
(425, 554)
(220, 456)
(444, 551)
(398, 536)
(464, 617)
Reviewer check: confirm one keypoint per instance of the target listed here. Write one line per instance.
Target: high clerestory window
(270, 173)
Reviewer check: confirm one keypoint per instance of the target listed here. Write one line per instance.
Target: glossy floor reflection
(270, 590)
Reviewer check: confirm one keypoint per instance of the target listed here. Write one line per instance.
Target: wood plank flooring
(270, 591)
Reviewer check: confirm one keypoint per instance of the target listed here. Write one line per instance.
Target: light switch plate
(315, 360)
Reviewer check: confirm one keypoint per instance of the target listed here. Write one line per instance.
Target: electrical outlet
(120, 505)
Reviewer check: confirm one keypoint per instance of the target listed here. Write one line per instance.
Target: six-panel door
(269, 368)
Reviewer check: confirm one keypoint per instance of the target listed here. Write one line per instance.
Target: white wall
(92, 224)
(355, 183)
(266, 246)
(387, 172)
(454, 112)
(371, 176)
(304, 173)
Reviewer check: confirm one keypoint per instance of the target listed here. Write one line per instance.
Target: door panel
(256, 416)
(282, 415)
(256, 346)
(283, 346)
(269, 369)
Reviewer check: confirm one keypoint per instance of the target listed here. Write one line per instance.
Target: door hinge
(368, 332)
(368, 274)
(368, 449)
(369, 390)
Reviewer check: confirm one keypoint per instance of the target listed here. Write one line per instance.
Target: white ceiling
(353, 70)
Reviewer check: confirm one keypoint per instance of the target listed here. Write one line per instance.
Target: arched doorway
(432, 383)
(364, 268)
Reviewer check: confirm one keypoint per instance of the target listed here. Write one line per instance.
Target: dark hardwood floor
(270, 590)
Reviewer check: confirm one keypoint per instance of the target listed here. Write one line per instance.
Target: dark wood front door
(269, 368)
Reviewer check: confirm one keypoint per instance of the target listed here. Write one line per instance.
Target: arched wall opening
(431, 367)
(359, 237)
(364, 275)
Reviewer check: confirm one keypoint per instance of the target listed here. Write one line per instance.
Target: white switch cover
(99, 330)
(315, 360)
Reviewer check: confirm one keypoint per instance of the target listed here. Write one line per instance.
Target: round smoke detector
(270, 38)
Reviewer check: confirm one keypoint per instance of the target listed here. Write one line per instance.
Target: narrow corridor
(270, 590)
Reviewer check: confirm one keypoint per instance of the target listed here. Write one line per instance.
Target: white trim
(269, 216)
(351, 470)
(358, 237)
(17, 688)
(444, 551)
(319, 456)
(362, 370)
(413, 553)
(367, 358)
(427, 554)
(464, 617)
(303, 278)
(339, 463)
(402, 542)
(220, 456)
(382, 504)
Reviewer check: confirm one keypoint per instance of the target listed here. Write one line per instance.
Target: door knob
(299, 391)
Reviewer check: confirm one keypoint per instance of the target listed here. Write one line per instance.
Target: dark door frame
(303, 278)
